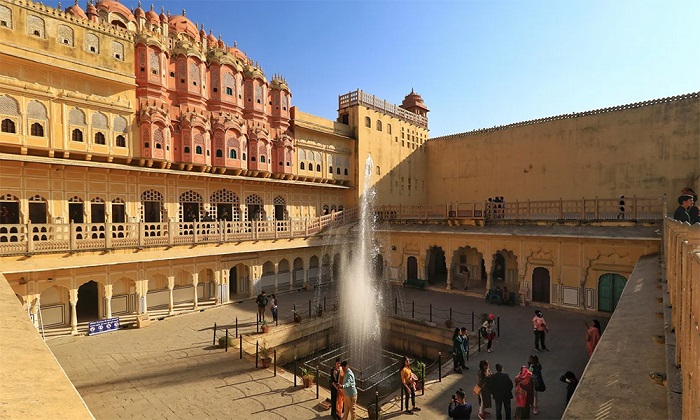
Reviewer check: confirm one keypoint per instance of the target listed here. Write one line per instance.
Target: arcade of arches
(573, 272)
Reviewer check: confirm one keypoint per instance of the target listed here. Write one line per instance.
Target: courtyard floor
(171, 370)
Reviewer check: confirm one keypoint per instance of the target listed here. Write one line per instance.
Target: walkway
(170, 369)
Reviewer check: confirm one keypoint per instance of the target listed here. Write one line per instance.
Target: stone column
(195, 282)
(225, 279)
(217, 289)
(142, 292)
(34, 308)
(277, 269)
(73, 297)
(448, 262)
(251, 281)
(449, 277)
(171, 300)
(306, 276)
(108, 301)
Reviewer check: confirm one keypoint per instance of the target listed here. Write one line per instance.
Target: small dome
(202, 32)
(163, 18)
(211, 39)
(180, 23)
(139, 13)
(113, 6)
(413, 100)
(91, 9)
(152, 17)
(76, 11)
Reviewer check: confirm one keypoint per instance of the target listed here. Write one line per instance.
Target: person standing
(409, 384)
(465, 347)
(502, 391)
(533, 364)
(571, 383)
(592, 336)
(490, 332)
(273, 307)
(458, 349)
(539, 326)
(466, 277)
(694, 210)
(349, 391)
(681, 214)
(459, 408)
(261, 300)
(523, 393)
(333, 387)
(484, 383)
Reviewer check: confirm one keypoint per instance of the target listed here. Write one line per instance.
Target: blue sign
(103, 325)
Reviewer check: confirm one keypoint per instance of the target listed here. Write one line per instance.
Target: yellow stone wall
(647, 150)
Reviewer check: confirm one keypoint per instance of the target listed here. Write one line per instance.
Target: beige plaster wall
(648, 151)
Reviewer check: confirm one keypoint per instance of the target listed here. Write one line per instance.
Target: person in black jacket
(459, 408)
(502, 391)
(335, 374)
(684, 203)
(571, 382)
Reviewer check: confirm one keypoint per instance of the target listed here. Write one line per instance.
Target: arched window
(219, 153)
(5, 17)
(388, 128)
(37, 130)
(318, 168)
(187, 149)
(7, 126)
(301, 166)
(159, 146)
(330, 170)
(379, 125)
(346, 171)
(121, 141)
(368, 122)
(65, 35)
(337, 170)
(147, 145)
(243, 157)
(77, 135)
(232, 153)
(262, 159)
(99, 138)
(198, 150)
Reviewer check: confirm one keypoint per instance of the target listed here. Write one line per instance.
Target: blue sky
(475, 63)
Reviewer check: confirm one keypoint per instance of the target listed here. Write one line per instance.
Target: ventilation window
(143, 69)
(187, 149)
(232, 154)
(194, 83)
(121, 141)
(301, 166)
(289, 164)
(147, 145)
(243, 157)
(281, 164)
(65, 41)
(252, 158)
(37, 130)
(172, 74)
(77, 135)
(159, 146)
(117, 56)
(37, 33)
(318, 168)
(154, 71)
(215, 89)
(3, 23)
(219, 153)
(229, 91)
(262, 159)
(92, 49)
(7, 126)
(182, 80)
(99, 138)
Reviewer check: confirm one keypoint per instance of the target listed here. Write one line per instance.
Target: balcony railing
(592, 209)
(47, 238)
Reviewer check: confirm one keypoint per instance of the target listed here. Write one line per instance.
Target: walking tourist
(681, 214)
(592, 336)
(484, 388)
(333, 387)
(458, 350)
(466, 277)
(488, 331)
(459, 408)
(349, 391)
(539, 326)
(502, 392)
(261, 300)
(408, 380)
(571, 383)
(523, 393)
(273, 307)
(538, 385)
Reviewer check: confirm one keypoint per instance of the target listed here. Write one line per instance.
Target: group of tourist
(343, 391)
(262, 301)
(688, 209)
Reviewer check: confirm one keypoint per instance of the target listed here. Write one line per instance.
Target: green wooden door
(610, 287)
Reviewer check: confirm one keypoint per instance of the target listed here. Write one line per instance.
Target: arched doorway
(610, 287)
(87, 307)
(298, 272)
(412, 268)
(436, 265)
(314, 271)
(540, 285)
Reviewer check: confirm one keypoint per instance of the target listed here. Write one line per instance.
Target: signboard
(103, 325)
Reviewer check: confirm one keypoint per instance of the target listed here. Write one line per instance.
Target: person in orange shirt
(408, 380)
(592, 336)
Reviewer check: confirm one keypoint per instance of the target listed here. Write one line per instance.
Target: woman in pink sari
(592, 336)
(341, 397)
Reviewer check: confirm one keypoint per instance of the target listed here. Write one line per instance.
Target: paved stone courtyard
(171, 370)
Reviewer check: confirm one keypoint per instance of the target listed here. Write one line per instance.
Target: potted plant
(319, 310)
(222, 341)
(265, 354)
(418, 369)
(297, 316)
(307, 377)
(264, 326)
(449, 323)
